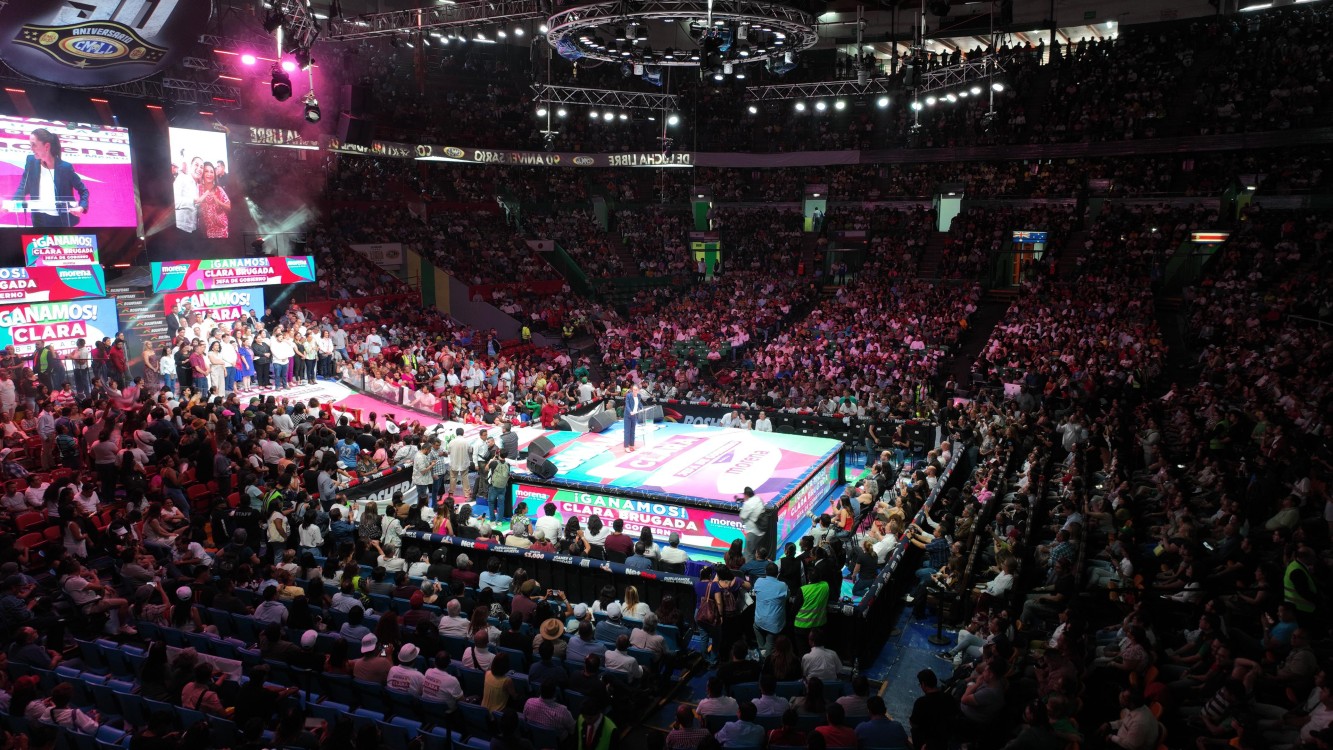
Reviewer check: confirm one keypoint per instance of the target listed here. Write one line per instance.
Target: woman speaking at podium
(46, 190)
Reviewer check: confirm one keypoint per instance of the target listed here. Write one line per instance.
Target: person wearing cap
(374, 664)
(672, 554)
(403, 677)
(578, 615)
(613, 626)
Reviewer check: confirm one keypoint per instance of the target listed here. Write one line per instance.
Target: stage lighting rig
(281, 84)
(312, 113)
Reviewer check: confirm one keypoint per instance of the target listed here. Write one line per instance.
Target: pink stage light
(289, 66)
(248, 59)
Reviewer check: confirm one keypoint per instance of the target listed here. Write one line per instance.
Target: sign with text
(98, 42)
(281, 138)
(222, 305)
(60, 324)
(228, 273)
(700, 528)
(386, 255)
(60, 250)
(51, 283)
(654, 159)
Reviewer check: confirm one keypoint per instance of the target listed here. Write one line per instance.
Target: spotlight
(951, 98)
(561, 112)
(281, 84)
(997, 86)
(541, 111)
(962, 94)
(248, 59)
(673, 120)
(740, 74)
(882, 102)
(624, 116)
(312, 113)
(840, 105)
(930, 101)
(800, 106)
(518, 31)
(916, 106)
(754, 110)
(501, 33)
(976, 91)
(543, 28)
(821, 105)
(718, 76)
(592, 115)
(288, 66)
(303, 58)
(609, 116)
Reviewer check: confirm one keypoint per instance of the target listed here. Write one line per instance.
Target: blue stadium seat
(399, 731)
(745, 691)
(400, 703)
(371, 695)
(91, 657)
(362, 716)
(477, 720)
(518, 661)
(132, 708)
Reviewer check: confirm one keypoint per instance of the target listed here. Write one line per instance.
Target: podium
(61, 218)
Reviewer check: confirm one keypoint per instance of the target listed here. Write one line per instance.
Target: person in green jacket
(812, 610)
(595, 729)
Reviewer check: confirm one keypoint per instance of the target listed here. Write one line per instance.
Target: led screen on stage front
(220, 305)
(700, 528)
(60, 324)
(55, 174)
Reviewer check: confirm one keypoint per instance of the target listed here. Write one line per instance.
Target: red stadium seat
(29, 520)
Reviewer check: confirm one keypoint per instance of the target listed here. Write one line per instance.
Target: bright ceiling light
(541, 111)
(753, 109)
(821, 105)
(840, 105)
(997, 86)
(673, 120)
(800, 106)
(882, 102)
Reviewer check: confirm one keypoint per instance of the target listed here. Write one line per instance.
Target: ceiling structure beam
(373, 25)
(573, 95)
(849, 87)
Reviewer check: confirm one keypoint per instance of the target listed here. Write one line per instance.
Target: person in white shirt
(763, 423)
(731, 419)
(185, 191)
(672, 554)
(586, 392)
(438, 686)
(548, 524)
(619, 660)
(374, 344)
(751, 512)
(453, 625)
(820, 663)
(403, 676)
(477, 656)
(282, 351)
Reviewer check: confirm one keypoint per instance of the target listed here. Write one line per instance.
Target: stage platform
(684, 478)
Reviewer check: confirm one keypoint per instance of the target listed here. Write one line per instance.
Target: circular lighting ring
(567, 26)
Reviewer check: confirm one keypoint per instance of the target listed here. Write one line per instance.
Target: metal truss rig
(795, 29)
(298, 23)
(423, 19)
(833, 89)
(962, 73)
(571, 95)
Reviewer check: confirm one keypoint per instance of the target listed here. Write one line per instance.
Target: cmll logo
(98, 42)
(454, 152)
(584, 161)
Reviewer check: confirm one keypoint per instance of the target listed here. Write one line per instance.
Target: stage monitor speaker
(540, 447)
(920, 433)
(562, 425)
(601, 420)
(355, 131)
(355, 99)
(541, 467)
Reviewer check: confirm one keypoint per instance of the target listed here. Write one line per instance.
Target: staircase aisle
(988, 314)
(928, 265)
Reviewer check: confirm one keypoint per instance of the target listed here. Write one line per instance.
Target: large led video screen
(199, 182)
(224, 306)
(56, 174)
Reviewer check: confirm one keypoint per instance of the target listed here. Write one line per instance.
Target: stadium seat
(361, 717)
(477, 721)
(398, 732)
(371, 695)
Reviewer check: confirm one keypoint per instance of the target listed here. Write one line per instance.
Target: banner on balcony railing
(386, 255)
(653, 159)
